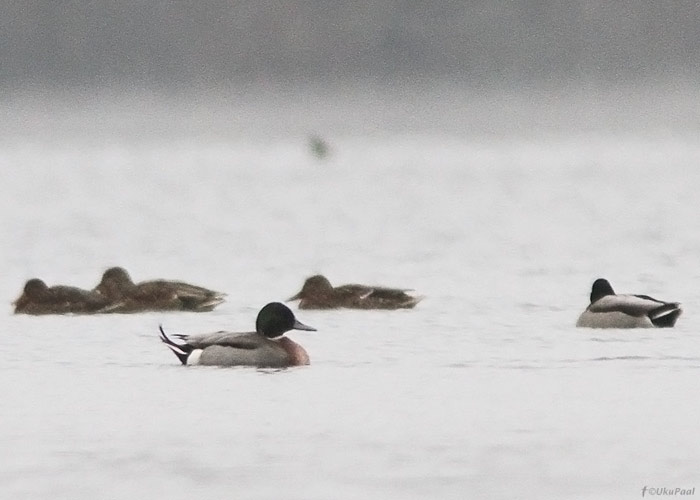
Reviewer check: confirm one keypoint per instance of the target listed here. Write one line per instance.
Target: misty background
(217, 43)
(495, 156)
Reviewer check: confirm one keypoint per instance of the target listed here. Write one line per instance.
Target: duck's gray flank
(610, 310)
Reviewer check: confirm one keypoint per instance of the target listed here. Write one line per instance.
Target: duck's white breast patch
(193, 358)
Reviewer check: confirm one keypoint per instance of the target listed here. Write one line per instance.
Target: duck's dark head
(115, 281)
(117, 276)
(601, 288)
(275, 319)
(314, 286)
(35, 288)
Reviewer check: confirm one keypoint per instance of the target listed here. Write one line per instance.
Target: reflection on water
(485, 389)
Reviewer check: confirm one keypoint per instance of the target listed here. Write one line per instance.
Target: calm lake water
(501, 212)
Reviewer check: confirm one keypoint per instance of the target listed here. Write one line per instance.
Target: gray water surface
(485, 390)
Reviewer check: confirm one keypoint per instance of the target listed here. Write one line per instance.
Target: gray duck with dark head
(610, 310)
(267, 347)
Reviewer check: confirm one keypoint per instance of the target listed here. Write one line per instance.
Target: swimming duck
(266, 347)
(610, 310)
(318, 293)
(157, 295)
(38, 298)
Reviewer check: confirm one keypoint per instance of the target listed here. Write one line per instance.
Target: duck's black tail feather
(182, 351)
(666, 315)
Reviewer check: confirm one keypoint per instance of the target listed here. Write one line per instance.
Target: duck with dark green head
(266, 347)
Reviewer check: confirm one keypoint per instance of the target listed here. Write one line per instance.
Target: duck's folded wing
(199, 294)
(380, 292)
(151, 291)
(633, 305)
(70, 293)
(353, 291)
(390, 293)
(185, 289)
(71, 296)
(229, 339)
(178, 295)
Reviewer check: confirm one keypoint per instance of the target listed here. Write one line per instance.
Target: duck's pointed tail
(666, 315)
(210, 303)
(412, 301)
(182, 351)
(201, 304)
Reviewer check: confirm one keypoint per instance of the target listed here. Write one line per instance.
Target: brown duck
(38, 298)
(157, 295)
(318, 293)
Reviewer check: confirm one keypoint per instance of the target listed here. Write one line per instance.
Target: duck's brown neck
(297, 354)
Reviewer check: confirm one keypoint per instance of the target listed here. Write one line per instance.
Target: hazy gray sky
(216, 42)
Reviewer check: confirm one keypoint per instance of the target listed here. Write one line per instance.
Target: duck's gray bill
(296, 297)
(298, 325)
